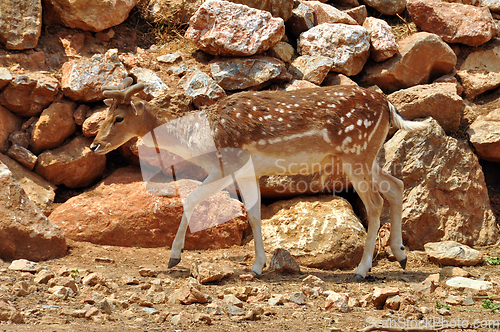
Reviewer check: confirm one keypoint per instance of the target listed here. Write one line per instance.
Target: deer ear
(108, 102)
(137, 107)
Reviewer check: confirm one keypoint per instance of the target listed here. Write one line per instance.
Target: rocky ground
(111, 288)
(130, 289)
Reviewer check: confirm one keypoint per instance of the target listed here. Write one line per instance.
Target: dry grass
(402, 25)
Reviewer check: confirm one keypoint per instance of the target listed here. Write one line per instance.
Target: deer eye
(118, 119)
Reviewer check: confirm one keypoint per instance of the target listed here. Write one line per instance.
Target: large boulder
(38, 190)
(82, 79)
(422, 58)
(73, 164)
(243, 73)
(480, 72)
(92, 15)
(24, 231)
(21, 22)
(383, 42)
(312, 68)
(201, 88)
(484, 134)
(229, 29)
(278, 8)
(148, 220)
(324, 13)
(387, 7)
(27, 95)
(445, 196)
(438, 100)
(56, 123)
(347, 45)
(454, 22)
(320, 231)
(9, 123)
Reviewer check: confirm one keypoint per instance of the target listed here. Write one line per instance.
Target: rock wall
(51, 104)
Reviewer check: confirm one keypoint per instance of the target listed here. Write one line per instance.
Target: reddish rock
(422, 57)
(23, 156)
(282, 261)
(80, 82)
(439, 100)
(201, 88)
(189, 294)
(92, 123)
(320, 238)
(454, 22)
(147, 220)
(5, 77)
(9, 123)
(9, 312)
(380, 295)
(347, 45)
(484, 134)
(28, 95)
(393, 302)
(311, 68)
(383, 43)
(302, 20)
(358, 13)
(209, 272)
(21, 138)
(89, 15)
(324, 13)
(24, 231)
(283, 51)
(435, 163)
(72, 164)
(21, 22)
(223, 28)
(480, 71)
(387, 7)
(80, 114)
(239, 74)
(56, 123)
(39, 191)
(278, 8)
(337, 302)
(452, 253)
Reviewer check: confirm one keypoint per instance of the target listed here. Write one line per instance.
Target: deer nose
(94, 147)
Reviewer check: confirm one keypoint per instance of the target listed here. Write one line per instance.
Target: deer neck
(187, 136)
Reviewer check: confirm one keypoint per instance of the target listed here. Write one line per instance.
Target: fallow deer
(281, 131)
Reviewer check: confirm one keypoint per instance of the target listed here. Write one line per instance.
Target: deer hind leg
(362, 181)
(392, 189)
(211, 186)
(250, 191)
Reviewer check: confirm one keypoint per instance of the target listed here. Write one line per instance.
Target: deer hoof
(403, 263)
(173, 262)
(357, 278)
(257, 275)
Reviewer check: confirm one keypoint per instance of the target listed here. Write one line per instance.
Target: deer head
(125, 117)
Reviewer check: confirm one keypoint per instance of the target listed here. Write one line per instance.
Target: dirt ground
(44, 315)
(288, 317)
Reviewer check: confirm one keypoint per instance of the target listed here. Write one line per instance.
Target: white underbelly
(299, 163)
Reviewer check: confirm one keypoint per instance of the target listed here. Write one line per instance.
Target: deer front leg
(211, 186)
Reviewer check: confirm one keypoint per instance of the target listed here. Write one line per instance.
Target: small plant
(488, 304)
(442, 306)
(75, 274)
(493, 260)
(137, 246)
